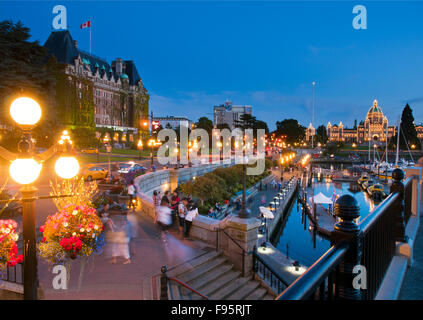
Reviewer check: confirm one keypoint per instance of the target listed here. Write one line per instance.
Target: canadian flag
(86, 24)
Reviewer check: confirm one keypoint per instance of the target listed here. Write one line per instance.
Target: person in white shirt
(182, 211)
(191, 214)
(132, 191)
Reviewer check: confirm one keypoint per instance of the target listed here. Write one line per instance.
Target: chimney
(119, 66)
(75, 43)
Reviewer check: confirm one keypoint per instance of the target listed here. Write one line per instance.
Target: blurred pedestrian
(163, 218)
(118, 237)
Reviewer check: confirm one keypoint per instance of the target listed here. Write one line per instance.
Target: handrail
(371, 219)
(275, 273)
(308, 282)
(180, 282)
(233, 240)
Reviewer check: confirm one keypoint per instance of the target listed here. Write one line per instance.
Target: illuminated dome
(375, 114)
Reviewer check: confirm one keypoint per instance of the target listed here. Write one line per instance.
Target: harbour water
(302, 244)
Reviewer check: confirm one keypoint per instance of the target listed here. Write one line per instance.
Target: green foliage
(292, 129)
(84, 137)
(219, 185)
(408, 135)
(246, 121)
(205, 123)
(321, 134)
(24, 70)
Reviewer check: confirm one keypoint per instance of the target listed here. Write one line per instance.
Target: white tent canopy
(321, 198)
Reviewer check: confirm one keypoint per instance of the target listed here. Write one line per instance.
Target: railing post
(398, 186)
(163, 284)
(347, 210)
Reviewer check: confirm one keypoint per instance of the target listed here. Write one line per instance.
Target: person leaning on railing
(191, 214)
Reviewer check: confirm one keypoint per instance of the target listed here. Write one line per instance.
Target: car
(93, 172)
(89, 151)
(130, 166)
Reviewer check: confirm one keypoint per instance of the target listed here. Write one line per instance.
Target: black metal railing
(320, 280)
(378, 243)
(369, 245)
(268, 274)
(408, 192)
(13, 274)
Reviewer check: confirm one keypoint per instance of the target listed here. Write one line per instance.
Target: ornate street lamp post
(139, 145)
(151, 143)
(244, 212)
(106, 141)
(24, 169)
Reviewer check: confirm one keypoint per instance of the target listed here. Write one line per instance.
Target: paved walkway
(268, 194)
(412, 287)
(103, 280)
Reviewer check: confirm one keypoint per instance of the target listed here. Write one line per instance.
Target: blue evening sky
(194, 55)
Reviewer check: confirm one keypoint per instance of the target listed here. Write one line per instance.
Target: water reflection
(302, 244)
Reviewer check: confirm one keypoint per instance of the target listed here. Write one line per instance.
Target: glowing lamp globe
(25, 111)
(25, 171)
(66, 167)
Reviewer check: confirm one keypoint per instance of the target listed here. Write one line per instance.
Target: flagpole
(90, 35)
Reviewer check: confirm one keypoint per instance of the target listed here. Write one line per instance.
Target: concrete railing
(168, 179)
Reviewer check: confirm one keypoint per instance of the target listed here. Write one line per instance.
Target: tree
(321, 134)
(205, 123)
(25, 70)
(408, 133)
(246, 121)
(261, 125)
(292, 129)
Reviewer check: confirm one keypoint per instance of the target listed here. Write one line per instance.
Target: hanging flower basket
(8, 249)
(72, 232)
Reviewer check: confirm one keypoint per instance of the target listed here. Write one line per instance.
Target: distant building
(228, 113)
(310, 131)
(375, 127)
(93, 92)
(172, 122)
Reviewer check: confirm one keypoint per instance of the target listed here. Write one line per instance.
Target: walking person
(132, 192)
(119, 239)
(163, 218)
(191, 214)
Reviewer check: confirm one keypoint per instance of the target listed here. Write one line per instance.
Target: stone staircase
(213, 276)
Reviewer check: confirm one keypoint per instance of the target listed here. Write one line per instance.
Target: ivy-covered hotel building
(94, 93)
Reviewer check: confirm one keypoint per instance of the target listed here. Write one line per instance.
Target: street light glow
(25, 111)
(66, 167)
(25, 171)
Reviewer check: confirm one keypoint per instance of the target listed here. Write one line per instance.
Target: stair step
(203, 268)
(242, 292)
(212, 287)
(257, 294)
(211, 276)
(190, 265)
(268, 297)
(228, 289)
(175, 293)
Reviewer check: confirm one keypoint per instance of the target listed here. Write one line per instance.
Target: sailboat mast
(369, 143)
(398, 135)
(386, 144)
